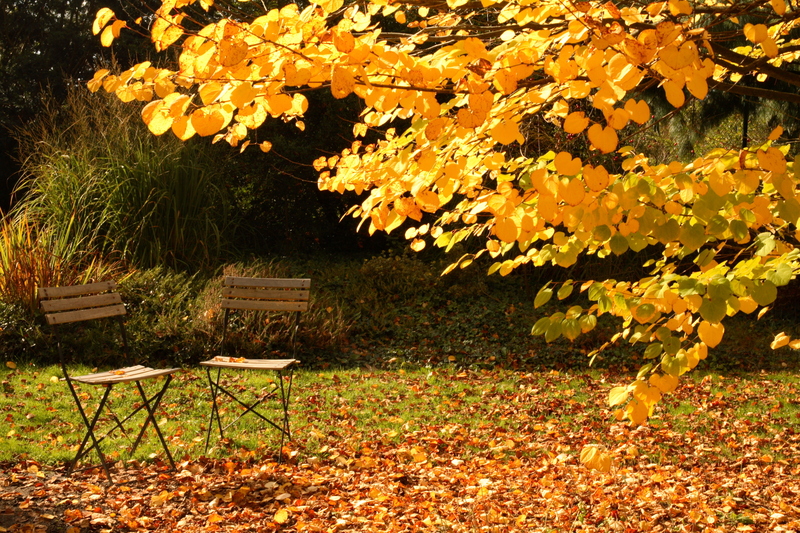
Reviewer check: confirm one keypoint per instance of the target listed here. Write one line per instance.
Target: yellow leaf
(637, 412)
(595, 458)
(664, 382)
(640, 111)
(697, 86)
(596, 178)
(780, 340)
(434, 128)
(469, 119)
(619, 119)
(680, 7)
(755, 33)
(678, 58)
(773, 136)
(566, 165)
(710, 334)
(576, 122)
(232, 52)
(604, 139)
(342, 82)
(747, 304)
(330, 5)
(207, 122)
(182, 127)
(779, 6)
(107, 37)
(344, 41)
(11, 364)
(209, 92)
(101, 19)
(506, 133)
(617, 396)
(772, 160)
(506, 230)
(674, 93)
(418, 245)
(157, 117)
(244, 94)
(770, 47)
(574, 192)
(265, 146)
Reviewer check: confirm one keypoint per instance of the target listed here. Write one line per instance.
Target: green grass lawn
(39, 422)
(411, 448)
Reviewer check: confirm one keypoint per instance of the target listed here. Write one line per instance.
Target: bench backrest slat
(76, 303)
(276, 283)
(262, 305)
(66, 317)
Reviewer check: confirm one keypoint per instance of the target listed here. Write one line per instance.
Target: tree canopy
(449, 90)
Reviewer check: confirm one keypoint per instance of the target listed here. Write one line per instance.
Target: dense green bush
(389, 309)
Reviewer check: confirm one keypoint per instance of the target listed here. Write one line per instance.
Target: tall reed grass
(92, 170)
(31, 257)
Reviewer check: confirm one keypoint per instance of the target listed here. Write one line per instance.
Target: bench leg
(150, 406)
(215, 387)
(83, 450)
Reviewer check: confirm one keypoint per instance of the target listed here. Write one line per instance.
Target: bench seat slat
(124, 375)
(250, 364)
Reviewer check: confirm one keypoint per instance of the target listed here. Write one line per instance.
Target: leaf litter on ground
(457, 451)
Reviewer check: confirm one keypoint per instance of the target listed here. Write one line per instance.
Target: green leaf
(713, 310)
(672, 345)
(764, 292)
(618, 244)
(540, 327)
(645, 312)
(601, 233)
(719, 289)
(653, 350)
(605, 304)
(668, 232)
(588, 323)
(781, 276)
(676, 365)
(637, 242)
(687, 287)
(596, 291)
(553, 331)
(644, 370)
(693, 236)
(764, 243)
(704, 257)
(570, 328)
(565, 290)
(717, 225)
(739, 230)
(542, 297)
(742, 286)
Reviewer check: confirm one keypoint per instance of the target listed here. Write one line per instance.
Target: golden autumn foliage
(466, 76)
